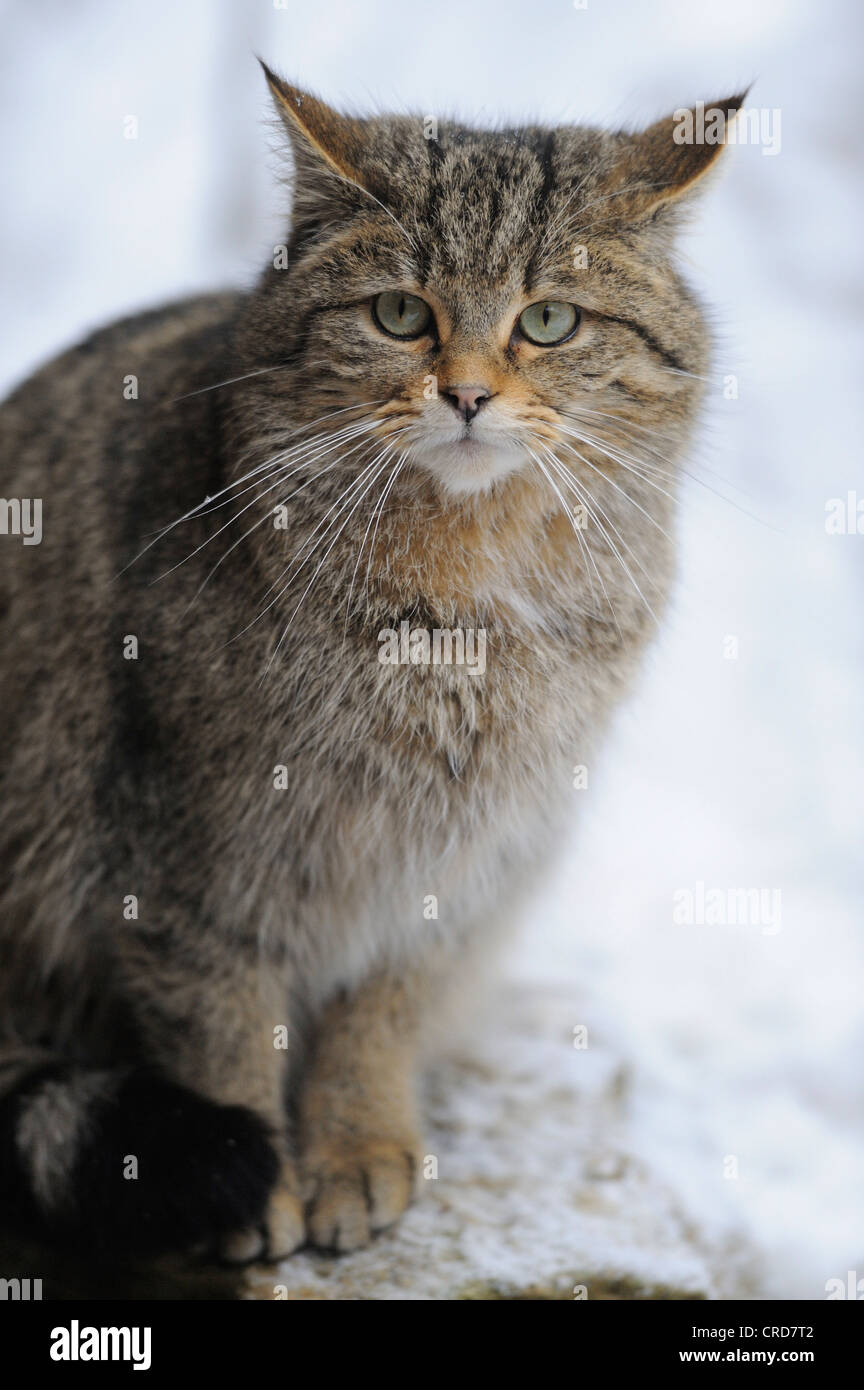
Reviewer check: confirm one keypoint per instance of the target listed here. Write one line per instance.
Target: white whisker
(318, 567)
(198, 507)
(581, 539)
(361, 429)
(567, 477)
(271, 510)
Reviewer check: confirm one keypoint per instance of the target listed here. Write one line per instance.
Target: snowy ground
(739, 1044)
(537, 1190)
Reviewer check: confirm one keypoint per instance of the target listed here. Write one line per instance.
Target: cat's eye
(401, 315)
(548, 322)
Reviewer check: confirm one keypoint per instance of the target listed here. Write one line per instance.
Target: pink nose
(466, 400)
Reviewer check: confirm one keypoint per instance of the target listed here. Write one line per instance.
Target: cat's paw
(278, 1236)
(357, 1191)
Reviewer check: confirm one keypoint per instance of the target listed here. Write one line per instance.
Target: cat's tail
(125, 1161)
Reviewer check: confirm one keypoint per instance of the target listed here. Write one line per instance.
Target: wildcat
(457, 400)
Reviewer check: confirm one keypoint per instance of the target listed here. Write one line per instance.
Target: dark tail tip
(147, 1167)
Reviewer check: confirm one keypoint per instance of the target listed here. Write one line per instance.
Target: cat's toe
(355, 1194)
(286, 1229)
(282, 1232)
(242, 1247)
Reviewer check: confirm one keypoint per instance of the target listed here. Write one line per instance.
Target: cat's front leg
(213, 1017)
(359, 1128)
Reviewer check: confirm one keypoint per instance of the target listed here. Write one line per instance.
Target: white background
(739, 773)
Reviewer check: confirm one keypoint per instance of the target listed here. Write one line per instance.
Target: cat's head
(479, 293)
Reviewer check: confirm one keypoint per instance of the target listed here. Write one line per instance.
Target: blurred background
(736, 771)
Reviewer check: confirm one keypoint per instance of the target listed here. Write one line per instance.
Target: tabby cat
(243, 856)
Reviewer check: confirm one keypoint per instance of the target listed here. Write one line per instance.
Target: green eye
(401, 315)
(548, 322)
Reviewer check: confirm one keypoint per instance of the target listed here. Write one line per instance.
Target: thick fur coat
(240, 856)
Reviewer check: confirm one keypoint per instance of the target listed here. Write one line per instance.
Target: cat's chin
(469, 465)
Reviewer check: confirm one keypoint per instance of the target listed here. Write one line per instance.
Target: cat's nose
(467, 400)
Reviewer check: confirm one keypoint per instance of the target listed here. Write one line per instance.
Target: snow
(737, 773)
(537, 1194)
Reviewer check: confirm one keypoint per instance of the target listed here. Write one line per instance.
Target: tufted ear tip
(315, 129)
(286, 94)
(268, 72)
(662, 165)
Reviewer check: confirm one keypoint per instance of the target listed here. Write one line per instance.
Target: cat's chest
(468, 701)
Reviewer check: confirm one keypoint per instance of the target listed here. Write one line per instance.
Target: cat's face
(479, 293)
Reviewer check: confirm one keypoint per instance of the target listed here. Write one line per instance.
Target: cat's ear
(660, 168)
(323, 141)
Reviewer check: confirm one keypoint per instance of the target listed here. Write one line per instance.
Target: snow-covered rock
(539, 1193)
